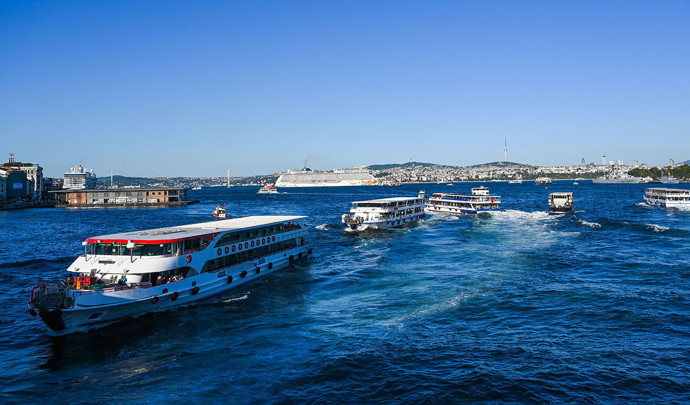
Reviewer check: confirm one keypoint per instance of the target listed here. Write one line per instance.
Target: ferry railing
(76, 293)
(50, 296)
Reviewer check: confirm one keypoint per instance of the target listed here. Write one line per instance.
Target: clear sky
(193, 88)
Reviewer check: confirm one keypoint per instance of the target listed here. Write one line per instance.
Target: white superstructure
(561, 203)
(79, 178)
(667, 197)
(268, 189)
(385, 212)
(132, 273)
(336, 178)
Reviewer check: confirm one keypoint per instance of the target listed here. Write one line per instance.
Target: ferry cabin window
(245, 255)
(241, 236)
(120, 249)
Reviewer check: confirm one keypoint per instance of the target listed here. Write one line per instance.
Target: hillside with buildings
(22, 184)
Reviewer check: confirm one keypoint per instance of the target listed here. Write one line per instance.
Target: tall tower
(583, 162)
(603, 160)
(505, 148)
(671, 162)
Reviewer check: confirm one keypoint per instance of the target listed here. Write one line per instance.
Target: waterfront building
(161, 196)
(3, 184)
(34, 176)
(79, 178)
(17, 186)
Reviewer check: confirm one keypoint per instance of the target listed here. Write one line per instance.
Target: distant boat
(542, 180)
(618, 178)
(196, 188)
(576, 183)
(268, 189)
(515, 181)
(560, 203)
(219, 212)
(669, 180)
(449, 184)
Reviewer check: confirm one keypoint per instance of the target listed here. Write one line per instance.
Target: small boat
(515, 181)
(542, 180)
(133, 273)
(667, 198)
(480, 201)
(385, 213)
(561, 203)
(220, 212)
(576, 183)
(196, 188)
(268, 189)
(390, 183)
(449, 184)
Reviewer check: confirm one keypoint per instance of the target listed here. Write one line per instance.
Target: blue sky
(183, 88)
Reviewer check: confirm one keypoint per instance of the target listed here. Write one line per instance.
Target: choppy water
(521, 307)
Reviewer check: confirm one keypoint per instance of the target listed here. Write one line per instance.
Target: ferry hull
(96, 309)
(388, 224)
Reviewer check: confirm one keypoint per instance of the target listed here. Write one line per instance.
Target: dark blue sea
(521, 307)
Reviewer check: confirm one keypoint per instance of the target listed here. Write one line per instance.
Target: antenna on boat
(228, 178)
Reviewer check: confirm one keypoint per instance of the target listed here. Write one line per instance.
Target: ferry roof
(454, 195)
(387, 200)
(191, 231)
(668, 189)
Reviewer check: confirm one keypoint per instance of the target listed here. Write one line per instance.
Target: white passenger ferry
(132, 273)
(561, 203)
(542, 180)
(667, 198)
(462, 204)
(385, 212)
(268, 189)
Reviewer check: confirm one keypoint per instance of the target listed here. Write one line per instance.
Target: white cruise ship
(385, 213)
(315, 178)
(133, 273)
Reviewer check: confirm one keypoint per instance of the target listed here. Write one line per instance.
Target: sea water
(519, 307)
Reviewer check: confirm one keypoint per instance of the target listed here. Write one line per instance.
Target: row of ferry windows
(254, 233)
(251, 254)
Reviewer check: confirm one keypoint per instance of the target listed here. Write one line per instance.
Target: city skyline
(196, 89)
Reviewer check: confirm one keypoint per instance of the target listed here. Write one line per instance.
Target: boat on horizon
(669, 180)
(617, 178)
(268, 189)
(542, 180)
(133, 273)
(334, 178)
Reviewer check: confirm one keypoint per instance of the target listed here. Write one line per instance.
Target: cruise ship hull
(324, 183)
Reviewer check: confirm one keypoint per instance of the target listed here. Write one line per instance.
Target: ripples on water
(522, 306)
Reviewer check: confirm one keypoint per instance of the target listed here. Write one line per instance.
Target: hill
(502, 164)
